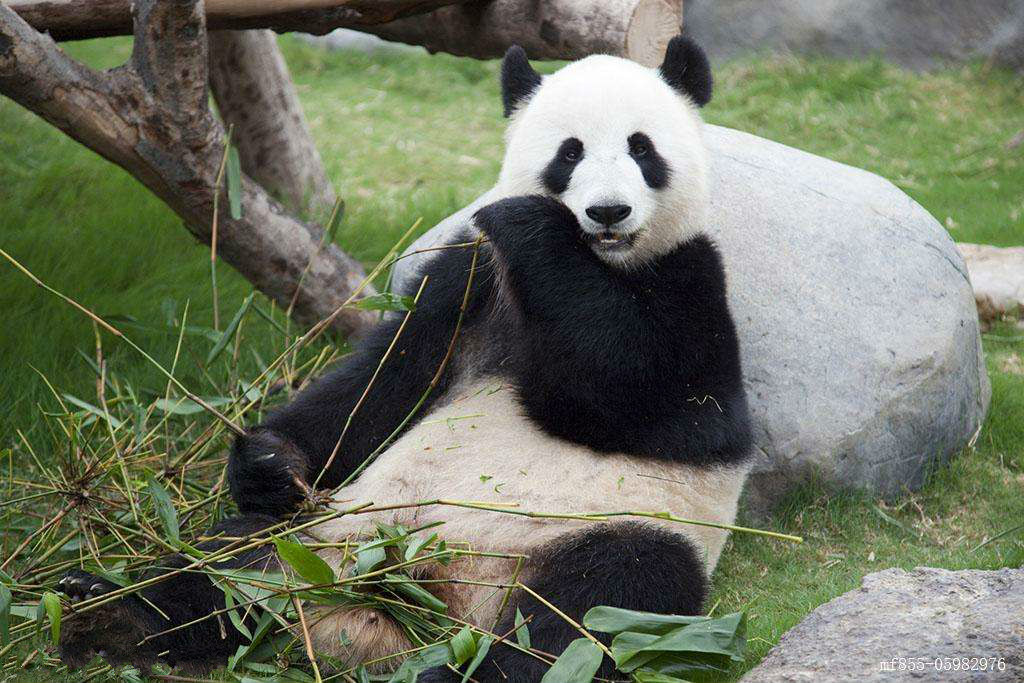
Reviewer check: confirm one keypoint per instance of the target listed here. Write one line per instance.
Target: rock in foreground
(924, 625)
(856, 317)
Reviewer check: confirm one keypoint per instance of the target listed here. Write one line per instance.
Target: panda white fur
(596, 369)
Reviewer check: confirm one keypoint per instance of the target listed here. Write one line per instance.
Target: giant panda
(595, 368)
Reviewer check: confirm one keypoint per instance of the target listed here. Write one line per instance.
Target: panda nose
(609, 214)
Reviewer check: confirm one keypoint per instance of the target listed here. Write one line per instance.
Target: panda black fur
(596, 369)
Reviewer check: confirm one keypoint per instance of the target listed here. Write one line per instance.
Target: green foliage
(5, 614)
(164, 508)
(435, 655)
(386, 301)
(234, 181)
(305, 562)
(577, 664)
(664, 647)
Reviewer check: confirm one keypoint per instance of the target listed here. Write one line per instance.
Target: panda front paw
(518, 221)
(267, 474)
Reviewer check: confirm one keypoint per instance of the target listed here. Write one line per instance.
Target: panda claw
(79, 585)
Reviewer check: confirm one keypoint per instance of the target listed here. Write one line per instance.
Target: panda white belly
(479, 447)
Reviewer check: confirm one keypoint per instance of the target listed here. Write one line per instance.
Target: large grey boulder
(914, 33)
(909, 626)
(857, 323)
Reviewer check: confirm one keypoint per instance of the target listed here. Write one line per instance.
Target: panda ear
(518, 79)
(686, 69)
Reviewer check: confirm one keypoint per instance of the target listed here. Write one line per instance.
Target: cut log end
(652, 24)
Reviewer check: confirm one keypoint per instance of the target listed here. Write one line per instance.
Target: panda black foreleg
(629, 565)
(313, 441)
(140, 628)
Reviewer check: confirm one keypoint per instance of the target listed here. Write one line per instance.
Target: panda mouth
(609, 240)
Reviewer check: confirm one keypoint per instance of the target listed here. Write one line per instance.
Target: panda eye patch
(559, 170)
(653, 166)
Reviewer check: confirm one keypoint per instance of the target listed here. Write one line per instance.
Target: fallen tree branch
(567, 29)
(256, 98)
(151, 118)
(79, 19)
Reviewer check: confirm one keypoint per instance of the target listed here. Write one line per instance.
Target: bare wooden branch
(256, 97)
(169, 56)
(567, 29)
(78, 19)
(140, 120)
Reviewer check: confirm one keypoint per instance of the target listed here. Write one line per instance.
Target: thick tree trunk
(548, 29)
(256, 97)
(566, 29)
(78, 19)
(151, 117)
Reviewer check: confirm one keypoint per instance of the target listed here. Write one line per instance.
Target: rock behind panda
(576, 354)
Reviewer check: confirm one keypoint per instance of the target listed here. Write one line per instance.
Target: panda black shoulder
(641, 360)
(695, 260)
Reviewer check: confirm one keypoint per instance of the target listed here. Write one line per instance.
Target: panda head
(618, 143)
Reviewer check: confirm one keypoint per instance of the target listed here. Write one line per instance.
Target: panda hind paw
(115, 631)
(80, 585)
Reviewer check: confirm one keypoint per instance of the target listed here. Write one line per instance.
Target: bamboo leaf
(51, 603)
(710, 642)
(234, 171)
(368, 556)
(577, 664)
(335, 220)
(90, 408)
(186, 406)
(5, 614)
(229, 331)
(435, 655)
(386, 301)
(415, 592)
(463, 645)
(481, 651)
(616, 620)
(164, 508)
(233, 615)
(522, 631)
(649, 676)
(418, 544)
(305, 562)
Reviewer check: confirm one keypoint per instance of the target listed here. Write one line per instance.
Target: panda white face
(616, 143)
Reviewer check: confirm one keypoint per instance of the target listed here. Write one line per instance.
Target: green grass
(406, 137)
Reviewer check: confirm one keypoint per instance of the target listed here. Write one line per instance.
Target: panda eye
(639, 145)
(571, 150)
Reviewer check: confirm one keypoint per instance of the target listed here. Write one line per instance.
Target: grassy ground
(407, 137)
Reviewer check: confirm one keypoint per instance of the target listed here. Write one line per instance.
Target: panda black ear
(686, 69)
(518, 79)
